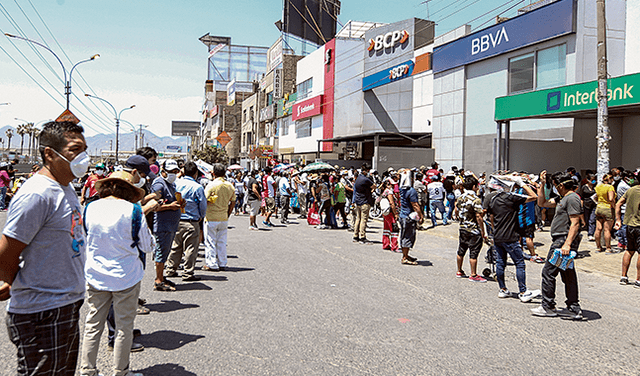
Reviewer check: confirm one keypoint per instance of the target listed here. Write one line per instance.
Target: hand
(421, 220)
(173, 206)
(566, 248)
(617, 225)
(5, 291)
(543, 176)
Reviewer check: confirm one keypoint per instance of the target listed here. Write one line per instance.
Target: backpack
(136, 224)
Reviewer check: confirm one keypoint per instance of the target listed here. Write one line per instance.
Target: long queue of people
(57, 253)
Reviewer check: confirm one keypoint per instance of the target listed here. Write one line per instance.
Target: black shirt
(504, 207)
(362, 189)
(252, 194)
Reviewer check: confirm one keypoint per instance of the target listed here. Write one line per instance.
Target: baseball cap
(140, 163)
(170, 165)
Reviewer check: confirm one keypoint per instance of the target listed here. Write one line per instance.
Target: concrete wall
(632, 41)
(423, 97)
(403, 157)
(449, 109)
(349, 98)
(305, 144)
(630, 158)
(312, 66)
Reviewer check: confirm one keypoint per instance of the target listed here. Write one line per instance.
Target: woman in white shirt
(116, 231)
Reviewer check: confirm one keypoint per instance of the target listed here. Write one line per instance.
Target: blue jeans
(3, 196)
(437, 204)
(515, 251)
(451, 198)
(590, 218)
(622, 233)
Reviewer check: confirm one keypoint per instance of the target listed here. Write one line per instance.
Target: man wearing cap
(166, 221)
(42, 257)
(187, 239)
(363, 199)
(221, 198)
(90, 185)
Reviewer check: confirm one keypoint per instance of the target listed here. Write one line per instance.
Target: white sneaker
(504, 293)
(543, 312)
(592, 238)
(526, 296)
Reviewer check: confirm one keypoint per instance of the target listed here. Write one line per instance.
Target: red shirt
(430, 174)
(91, 184)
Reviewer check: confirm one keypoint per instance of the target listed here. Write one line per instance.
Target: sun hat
(121, 176)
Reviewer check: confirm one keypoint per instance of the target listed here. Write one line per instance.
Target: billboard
(185, 128)
(311, 19)
(307, 108)
(231, 93)
(550, 21)
(274, 55)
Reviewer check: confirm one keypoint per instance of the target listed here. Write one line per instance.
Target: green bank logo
(570, 99)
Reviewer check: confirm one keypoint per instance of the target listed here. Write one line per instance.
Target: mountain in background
(105, 141)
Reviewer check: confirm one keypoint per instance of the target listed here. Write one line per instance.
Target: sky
(150, 55)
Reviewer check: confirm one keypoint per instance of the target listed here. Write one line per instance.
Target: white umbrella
(235, 167)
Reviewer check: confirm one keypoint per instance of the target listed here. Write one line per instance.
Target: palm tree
(9, 134)
(22, 130)
(30, 130)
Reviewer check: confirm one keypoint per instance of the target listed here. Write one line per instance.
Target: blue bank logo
(553, 101)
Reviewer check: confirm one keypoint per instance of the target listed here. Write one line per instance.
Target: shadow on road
(191, 286)
(591, 315)
(218, 278)
(425, 263)
(169, 306)
(237, 269)
(166, 369)
(167, 340)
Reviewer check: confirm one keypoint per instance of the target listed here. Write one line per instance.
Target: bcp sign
(308, 108)
(388, 40)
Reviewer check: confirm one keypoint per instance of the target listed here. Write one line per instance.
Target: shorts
(407, 232)
(633, 239)
(164, 240)
(254, 207)
(605, 213)
(270, 203)
(527, 232)
(470, 241)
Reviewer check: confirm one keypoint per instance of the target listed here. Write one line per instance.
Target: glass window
(284, 126)
(303, 128)
(550, 67)
(521, 73)
(304, 89)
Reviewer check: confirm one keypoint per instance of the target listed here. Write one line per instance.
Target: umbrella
(235, 167)
(318, 167)
(283, 166)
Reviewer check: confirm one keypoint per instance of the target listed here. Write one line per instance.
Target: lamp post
(118, 114)
(67, 82)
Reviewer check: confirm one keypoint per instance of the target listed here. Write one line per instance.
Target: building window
(521, 73)
(244, 115)
(551, 67)
(538, 70)
(303, 128)
(284, 126)
(304, 89)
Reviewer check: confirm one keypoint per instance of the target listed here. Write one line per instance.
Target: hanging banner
(216, 49)
(231, 93)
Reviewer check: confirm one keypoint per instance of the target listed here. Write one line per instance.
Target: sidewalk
(609, 265)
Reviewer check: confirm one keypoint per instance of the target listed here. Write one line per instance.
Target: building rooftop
(356, 29)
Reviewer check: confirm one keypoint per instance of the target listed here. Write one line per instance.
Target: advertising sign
(267, 113)
(550, 21)
(277, 83)
(223, 138)
(388, 40)
(308, 108)
(185, 128)
(176, 148)
(274, 55)
(215, 49)
(565, 99)
(231, 93)
(383, 77)
(214, 111)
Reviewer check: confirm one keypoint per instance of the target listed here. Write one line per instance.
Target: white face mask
(171, 177)
(556, 191)
(99, 172)
(140, 184)
(79, 165)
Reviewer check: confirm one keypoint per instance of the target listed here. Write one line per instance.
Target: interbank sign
(622, 91)
(545, 23)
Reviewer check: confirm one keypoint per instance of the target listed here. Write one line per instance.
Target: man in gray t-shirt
(565, 236)
(42, 257)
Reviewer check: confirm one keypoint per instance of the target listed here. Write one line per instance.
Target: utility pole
(603, 106)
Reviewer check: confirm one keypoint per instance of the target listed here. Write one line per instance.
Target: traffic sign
(68, 116)
(223, 138)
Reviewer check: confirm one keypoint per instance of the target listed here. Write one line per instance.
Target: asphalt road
(302, 301)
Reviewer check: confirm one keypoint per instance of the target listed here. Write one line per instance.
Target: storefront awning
(572, 101)
(382, 136)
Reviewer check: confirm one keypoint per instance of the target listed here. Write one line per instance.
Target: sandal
(169, 283)
(142, 310)
(406, 261)
(411, 258)
(537, 259)
(162, 286)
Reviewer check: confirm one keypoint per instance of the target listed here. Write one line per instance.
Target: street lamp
(5, 104)
(67, 87)
(117, 117)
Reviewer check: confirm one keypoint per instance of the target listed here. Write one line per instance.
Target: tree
(22, 130)
(211, 155)
(31, 129)
(9, 134)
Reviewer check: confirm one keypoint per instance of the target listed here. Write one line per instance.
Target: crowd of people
(58, 251)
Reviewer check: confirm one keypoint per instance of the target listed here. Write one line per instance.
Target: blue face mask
(593, 181)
